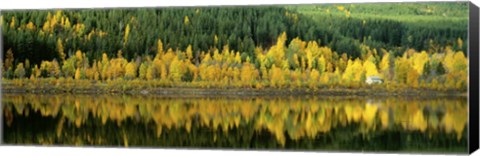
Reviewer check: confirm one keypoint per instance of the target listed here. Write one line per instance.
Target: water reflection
(349, 123)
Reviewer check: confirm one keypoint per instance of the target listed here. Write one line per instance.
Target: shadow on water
(294, 123)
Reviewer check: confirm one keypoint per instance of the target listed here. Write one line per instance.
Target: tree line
(297, 64)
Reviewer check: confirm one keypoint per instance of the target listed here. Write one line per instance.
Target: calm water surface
(298, 123)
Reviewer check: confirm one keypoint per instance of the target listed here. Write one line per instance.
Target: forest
(289, 47)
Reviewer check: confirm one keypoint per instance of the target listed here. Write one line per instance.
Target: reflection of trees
(234, 122)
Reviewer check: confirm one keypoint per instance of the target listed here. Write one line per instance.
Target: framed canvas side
(473, 50)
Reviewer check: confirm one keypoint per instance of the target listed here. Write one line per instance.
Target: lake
(353, 123)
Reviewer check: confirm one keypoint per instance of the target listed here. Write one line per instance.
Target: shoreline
(165, 88)
(237, 91)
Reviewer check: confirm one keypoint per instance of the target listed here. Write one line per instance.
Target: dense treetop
(136, 31)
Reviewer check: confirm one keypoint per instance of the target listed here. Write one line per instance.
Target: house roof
(374, 77)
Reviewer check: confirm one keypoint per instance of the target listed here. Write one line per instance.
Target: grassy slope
(450, 14)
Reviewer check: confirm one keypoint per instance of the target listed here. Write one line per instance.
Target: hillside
(314, 46)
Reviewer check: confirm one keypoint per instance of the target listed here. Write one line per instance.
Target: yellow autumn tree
(248, 73)
(215, 39)
(348, 74)
(238, 59)
(328, 54)
(142, 71)
(460, 74)
(193, 69)
(47, 24)
(168, 57)
(217, 56)
(189, 52)
(35, 73)
(310, 58)
(27, 63)
(77, 74)
(54, 69)
(313, 79)
(12, 23)
(157, 68)
(160, 68)
(321, 64)
(130, 71)
(354, 71)
(459, 42)
(277, 52)
(68, 25)
(89, 73)
(8, 60)
(96, 73)
(105, 66)
(297, 46)
(79, 28)
(90, 35)
(159, 49)
(186, 20)
(412, 78)
(79, 58)
(460, 62)
(150, 74)
(276, 77)
(30, 26)
(60, 50)
(19, 71)
(448, 60)
(127, 32)
(176, 70)
(370, 68)
(402, 69)
(385, 63)
(419, 60)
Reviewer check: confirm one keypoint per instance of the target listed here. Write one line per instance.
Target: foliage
(292, 51)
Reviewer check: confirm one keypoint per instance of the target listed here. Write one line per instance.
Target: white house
(374, 79)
